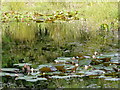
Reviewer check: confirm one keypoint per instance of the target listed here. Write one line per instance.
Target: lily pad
(41, 78)
(9, 69)
(60, 67)
(94, 73)
(102, 77)
(54, 73)
(60, 77)
(115, 61)
(34, 74)
(10, 74)
(26, 77)
(113, 79)
(47, 68)
(110, 68)
(93, 86)
(87, 56)
(85, 62)
(111, 74)
(63, 59)
(105, 59)
(22, 64)
(80, 73)
(32, 80)
(111, 55)
(75, 76)
(2, 73)
(106, 63)
(100, 66)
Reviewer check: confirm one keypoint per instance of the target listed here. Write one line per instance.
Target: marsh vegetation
(55, 37)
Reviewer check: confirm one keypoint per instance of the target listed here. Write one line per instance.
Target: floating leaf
(22, 64)
(26, 77)
(54, 73)
(32, 80)
(75, 76)
(60, 77)
(115, 61)
(63, 59)
(60, 67)
(111, 55)
(2, 73)
(94, 73)
(81, 73)
(48, 69)
(112, 74)
(10, 74)
(112, 79)
(9, 69)
(105, 59)
(102, 77)
(85, 62)
(100, 66)
(41, 78)
(106, 63)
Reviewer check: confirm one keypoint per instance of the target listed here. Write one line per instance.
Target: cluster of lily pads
(38, 17)
(100, 67)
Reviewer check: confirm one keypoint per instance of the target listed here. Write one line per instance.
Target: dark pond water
(41, 43)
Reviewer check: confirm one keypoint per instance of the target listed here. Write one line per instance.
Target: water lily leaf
(34, 74)
(32, 80)
(26, 77)
(102, 77)
(22, 64)
(69, 66)
(105, 59)
(60, 61)
(95, 62)
(87, 56)
(100, 66)
(113, 79)
(60, 77)
(45, 69)
(64, 58)
(80, 73)
(110, 68)
(41, 78)
(99, 71)
(91, 74)
(111, 55)
(115, 61)
(111, 74)
(60, 67)
(106, 63)
(94, 73)
(48, 69)
(93, 86)
(12, 74)
(85, 62)
(75, 76)
(2, 73)
(9, 69)
(54, 73)
(79, 68)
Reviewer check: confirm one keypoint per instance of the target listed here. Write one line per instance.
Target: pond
(42, 43)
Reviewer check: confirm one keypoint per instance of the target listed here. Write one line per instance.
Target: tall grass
(96, 13)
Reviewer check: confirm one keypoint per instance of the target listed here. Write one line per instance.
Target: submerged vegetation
(61, 43)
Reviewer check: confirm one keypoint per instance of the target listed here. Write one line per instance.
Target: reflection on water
(43, 42)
